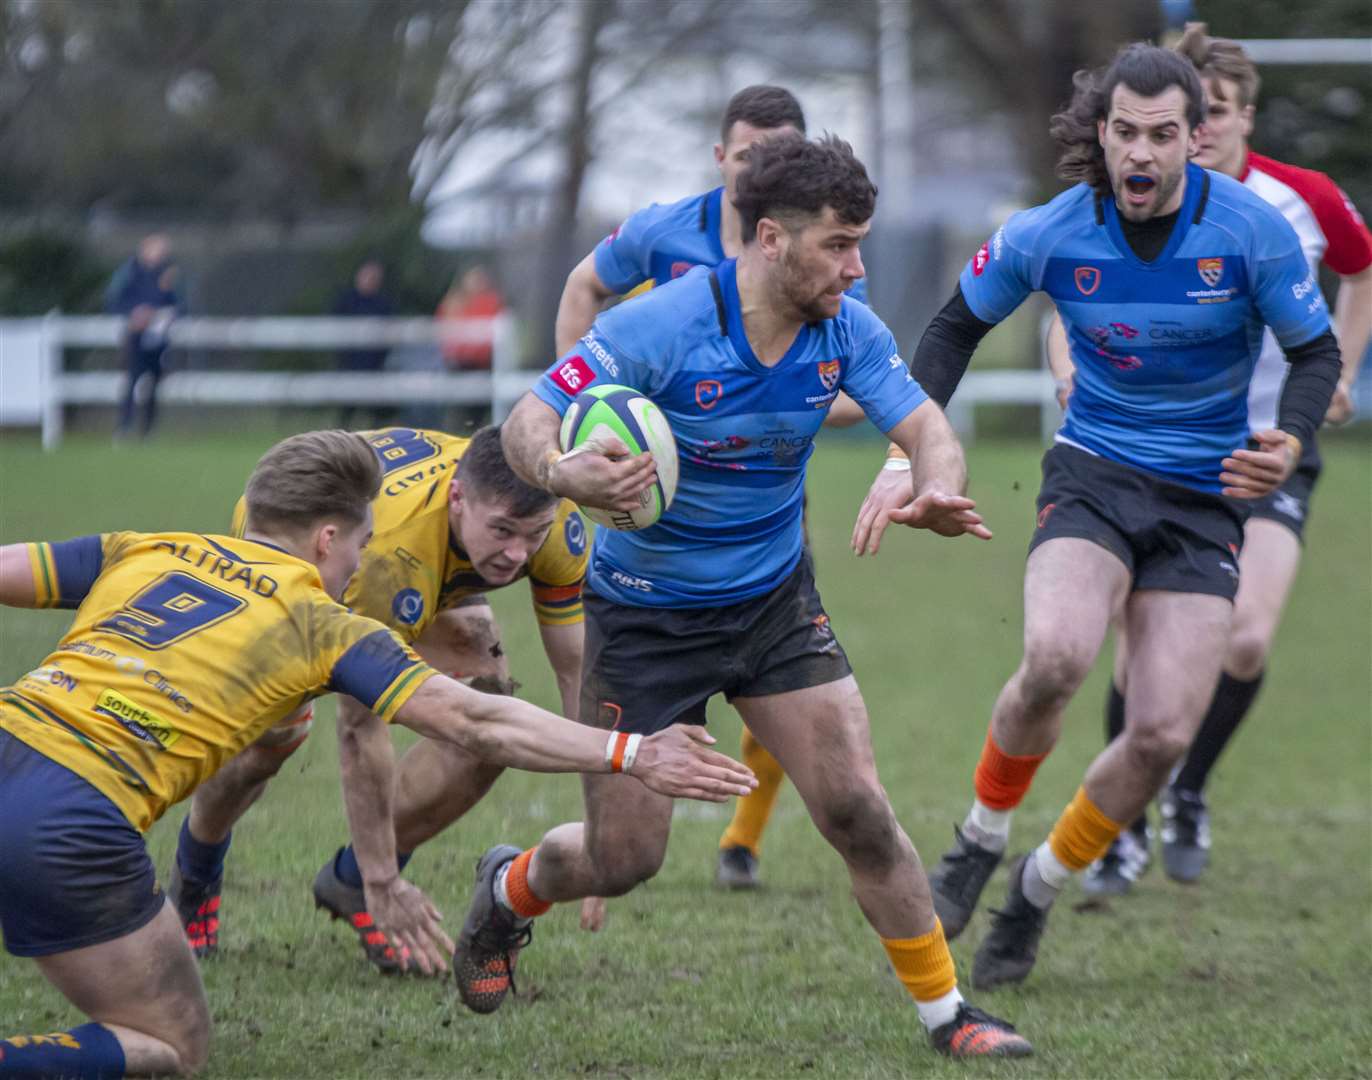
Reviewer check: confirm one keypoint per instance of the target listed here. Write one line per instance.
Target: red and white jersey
(1331, 231)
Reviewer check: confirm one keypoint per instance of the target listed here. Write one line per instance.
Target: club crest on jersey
(408, 606)
(708, 393)
(679, 268)
(1087, 279)
(1210, 270)
(829, 371)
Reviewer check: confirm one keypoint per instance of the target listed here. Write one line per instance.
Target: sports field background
(1263, 969)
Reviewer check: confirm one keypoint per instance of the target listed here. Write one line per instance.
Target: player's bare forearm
(529, 438)
(1353, 322)
(366, 761)
(563, 646)
(937, 463)
(582, 298)
(16, 577)
(1060, 360)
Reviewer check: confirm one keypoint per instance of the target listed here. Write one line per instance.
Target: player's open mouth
(1138, 187)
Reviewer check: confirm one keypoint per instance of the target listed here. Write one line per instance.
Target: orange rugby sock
(1082, 834)
(754, 810)
(523, 902)
(923, 964)
(1002, 780)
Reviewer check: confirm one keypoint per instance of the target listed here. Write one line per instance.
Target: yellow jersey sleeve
(558, 569)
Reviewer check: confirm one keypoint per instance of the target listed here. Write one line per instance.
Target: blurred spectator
(473, 296)
(364, 298)
(143, 290)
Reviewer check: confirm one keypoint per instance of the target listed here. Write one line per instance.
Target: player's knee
(1155, 746)
(1051, 674)
(1247, 652)
(862, 827)
(192, 1042)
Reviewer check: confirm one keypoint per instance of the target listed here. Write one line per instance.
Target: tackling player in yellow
(184, 648)
(452, 521)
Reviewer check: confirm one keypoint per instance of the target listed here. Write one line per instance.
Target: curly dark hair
(790, 178)
(1145, 69)
(763, 107)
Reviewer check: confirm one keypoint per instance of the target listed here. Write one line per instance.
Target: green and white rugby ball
(601, 411)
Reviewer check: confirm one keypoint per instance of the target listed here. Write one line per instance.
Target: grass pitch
(1263, 969)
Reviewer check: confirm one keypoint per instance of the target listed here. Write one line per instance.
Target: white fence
(35, 388)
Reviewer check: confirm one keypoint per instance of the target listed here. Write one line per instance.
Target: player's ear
(719, 153)
(769, 234)
(1246, 120)
(455, 493)
(1100, 131)
(324, 538)
(1193, 141)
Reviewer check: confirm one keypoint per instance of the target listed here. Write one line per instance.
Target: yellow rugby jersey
(184, 649)
(413, 568)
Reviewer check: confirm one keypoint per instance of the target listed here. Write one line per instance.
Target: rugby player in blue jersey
(718, 596)
(1164, 275)
(654, 246)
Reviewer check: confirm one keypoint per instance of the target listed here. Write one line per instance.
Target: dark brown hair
(1145, 69)
(790, 177)
(485, 474)
(313, 477)
(764, 107)
(1220, 58)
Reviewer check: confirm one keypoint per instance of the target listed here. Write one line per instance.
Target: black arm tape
(1310, 384)
(945, 350)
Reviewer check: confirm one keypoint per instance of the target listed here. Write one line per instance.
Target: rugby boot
(349, 903)
(1124, 862)
(197, 906)
(957, 882)
(973, 1033)
(736, 869)
(488, 947)
(1008, 950)
(1185, 834)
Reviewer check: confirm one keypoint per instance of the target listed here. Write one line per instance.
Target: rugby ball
(601, 411)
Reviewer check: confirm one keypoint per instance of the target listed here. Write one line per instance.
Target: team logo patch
(573, 376)
(821, 624)
(708, 393)
(1210, 270)
(980, 259)
(829, 372)
(408, 606)
(574, 532)
(679, 268)
(1087, 279)
(1043, 514)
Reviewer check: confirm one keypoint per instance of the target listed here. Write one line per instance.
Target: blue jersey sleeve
(592, 361)
(876, 377)
(1287, 294)
(375, 669)
(76, 565)
(621, 259)
(1000, 275)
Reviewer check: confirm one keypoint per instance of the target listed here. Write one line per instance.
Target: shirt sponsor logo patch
(574, 532)
(980, 259)
(573, 376)
(708, 393)
(1087, 279)
(141, 722)
(408, 606)
(1210, 270)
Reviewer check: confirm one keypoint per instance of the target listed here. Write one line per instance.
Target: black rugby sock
(1233, 698)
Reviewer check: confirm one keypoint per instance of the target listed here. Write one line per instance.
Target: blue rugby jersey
(744, 432)
(1165, 350)
(660, 243)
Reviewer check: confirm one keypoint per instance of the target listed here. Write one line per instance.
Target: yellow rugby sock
(923, 964)
(752, 811)
(1082, 834)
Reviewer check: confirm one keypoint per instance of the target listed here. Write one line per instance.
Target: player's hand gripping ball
(602, 411)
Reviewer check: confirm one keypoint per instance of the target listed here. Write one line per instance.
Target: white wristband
(630, 752)
(895, 464)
